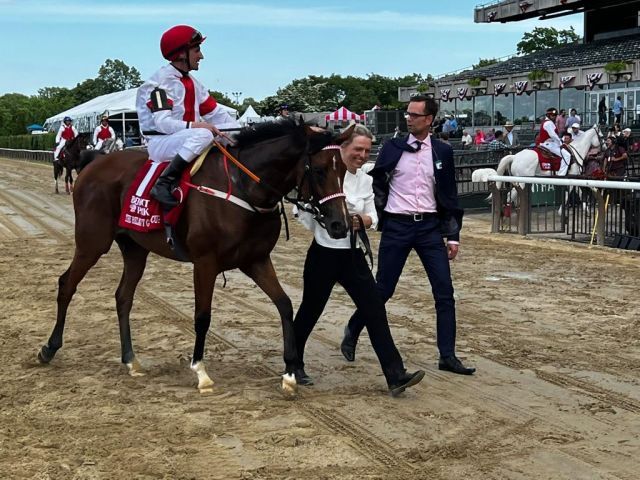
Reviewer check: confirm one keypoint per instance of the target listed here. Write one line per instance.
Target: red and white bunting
(444, 94)
(566, 79)
(498, 88)
(462, 93)
(592, 79)
(520, 86)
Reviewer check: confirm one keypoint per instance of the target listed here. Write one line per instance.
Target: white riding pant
(59, 148)
(566, 156)
(99, 145)
(188, 143)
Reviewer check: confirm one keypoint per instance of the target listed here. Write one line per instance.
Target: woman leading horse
(217, 235)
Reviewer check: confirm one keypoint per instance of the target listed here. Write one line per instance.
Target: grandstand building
(605, 65)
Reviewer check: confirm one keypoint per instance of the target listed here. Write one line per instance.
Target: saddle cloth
(548, 161)
(142, 213)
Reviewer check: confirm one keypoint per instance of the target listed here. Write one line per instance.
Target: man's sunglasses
(413, 115)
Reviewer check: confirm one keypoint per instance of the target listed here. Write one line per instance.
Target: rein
(298, 201)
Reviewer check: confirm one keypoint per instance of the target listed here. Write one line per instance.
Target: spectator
(567, 138)
(615, 158)
(479, 140)
(602, 111)
(573, 118)
(446, 128)
(497, 144)
(490, 136)
(575, 131)
(445, 138)
(561, 122)
(617, 110)
(625, 140)
(467, 140)
(511, 137)
(454, 126)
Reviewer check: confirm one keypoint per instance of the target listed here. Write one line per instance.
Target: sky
(253, 47)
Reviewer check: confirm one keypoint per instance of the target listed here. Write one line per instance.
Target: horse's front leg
(204, 277)
(68, 181)
(263, 273)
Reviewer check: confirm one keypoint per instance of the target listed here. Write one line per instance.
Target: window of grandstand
(483, 110)
(503, 109)
(524, 111)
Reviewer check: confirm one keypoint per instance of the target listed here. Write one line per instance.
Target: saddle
(141, 212)
(547, 160)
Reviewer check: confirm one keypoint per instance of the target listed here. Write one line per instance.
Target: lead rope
(283, 212)
(361, 233)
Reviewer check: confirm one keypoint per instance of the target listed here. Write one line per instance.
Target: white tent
(250, 116)
(120, 106)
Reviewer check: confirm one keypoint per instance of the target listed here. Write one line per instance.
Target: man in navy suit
(417, 202)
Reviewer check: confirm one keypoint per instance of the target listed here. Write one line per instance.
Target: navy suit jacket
(446, 192)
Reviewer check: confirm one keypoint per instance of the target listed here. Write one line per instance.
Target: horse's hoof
(289, 387)
(135, 369)
(44, 356)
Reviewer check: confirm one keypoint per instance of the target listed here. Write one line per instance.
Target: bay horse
(69, 160)
(525, 162)
(216, 235)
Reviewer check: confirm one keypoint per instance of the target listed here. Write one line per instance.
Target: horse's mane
(260, 132)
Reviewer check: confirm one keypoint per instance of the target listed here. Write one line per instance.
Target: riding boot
(168, 180)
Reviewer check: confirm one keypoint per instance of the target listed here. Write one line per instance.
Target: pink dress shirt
(412, 188)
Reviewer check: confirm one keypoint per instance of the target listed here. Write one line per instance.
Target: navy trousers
(399, 237)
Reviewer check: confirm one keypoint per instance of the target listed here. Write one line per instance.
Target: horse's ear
(346, 134)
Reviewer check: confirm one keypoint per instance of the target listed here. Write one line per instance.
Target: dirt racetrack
(553, 327)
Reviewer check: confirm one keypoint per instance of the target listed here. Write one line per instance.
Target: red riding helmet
(177, 39)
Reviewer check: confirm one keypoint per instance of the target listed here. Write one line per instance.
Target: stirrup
(168, 231)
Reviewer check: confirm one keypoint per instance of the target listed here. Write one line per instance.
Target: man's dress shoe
(453, 364)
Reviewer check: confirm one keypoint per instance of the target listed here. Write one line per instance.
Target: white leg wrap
(205, 384)
(289, 385)
(135, 369)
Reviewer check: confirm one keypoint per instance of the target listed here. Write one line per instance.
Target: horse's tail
(86, 157)
(504, 166)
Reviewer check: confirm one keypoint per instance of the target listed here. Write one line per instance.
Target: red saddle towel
(142, 213)
(547, 160)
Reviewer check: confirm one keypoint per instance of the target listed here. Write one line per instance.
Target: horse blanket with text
(142, 213)
(548, 161)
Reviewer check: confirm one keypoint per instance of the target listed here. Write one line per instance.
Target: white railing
(598, 188)
(21, 154)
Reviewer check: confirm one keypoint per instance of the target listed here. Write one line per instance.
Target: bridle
(313, 203)
(575, 155)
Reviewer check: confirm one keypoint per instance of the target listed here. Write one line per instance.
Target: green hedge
(46, 141)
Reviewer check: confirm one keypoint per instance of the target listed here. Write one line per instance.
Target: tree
(484, 62)
(543, 38)
(118, 76)
(90, 88)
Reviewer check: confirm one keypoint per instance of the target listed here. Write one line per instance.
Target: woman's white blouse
(359, 198)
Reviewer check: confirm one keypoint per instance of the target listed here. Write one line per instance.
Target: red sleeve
(208, 105)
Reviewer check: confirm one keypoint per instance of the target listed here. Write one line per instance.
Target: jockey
(550, 140)
(176, 112)
(102, 132)
(65, 133)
